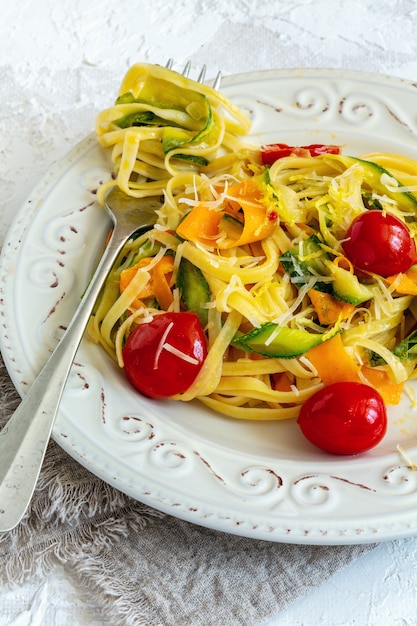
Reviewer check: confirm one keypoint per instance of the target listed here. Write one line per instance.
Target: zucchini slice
(194, 289)
(279, 342)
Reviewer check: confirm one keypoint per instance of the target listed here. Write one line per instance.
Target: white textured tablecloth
(68, 58)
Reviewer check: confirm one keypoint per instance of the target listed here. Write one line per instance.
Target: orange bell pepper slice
(247, 191)
(380, 380)
(329, 310)
(201, 225)
(281, 381)
(406, 283)
(333, 363)
(158, 286)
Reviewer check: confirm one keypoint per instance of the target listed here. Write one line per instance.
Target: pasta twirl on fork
(256, 251)
(163, 124)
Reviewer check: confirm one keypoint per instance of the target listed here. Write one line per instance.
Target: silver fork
(24, 439)
(201, 76)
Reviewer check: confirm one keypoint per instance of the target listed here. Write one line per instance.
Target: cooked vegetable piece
(158, 285)
(231, 226)
(163, 357)
(344, 418)
(346, 286)
(194, 289)
(200, 224)
(380, 380)
(244, 203)
(274, 151)
(156, 96)
(328, 308)
(281, 381)
(332, 362)
(306, 259)
(406, 350)
(374, 176)
(193, 158)
(405, 283)
(380, 243)
(277, 341)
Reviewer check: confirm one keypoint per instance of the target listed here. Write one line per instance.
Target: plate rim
(15, 235)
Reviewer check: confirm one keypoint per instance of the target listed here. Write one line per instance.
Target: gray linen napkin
(146, 568)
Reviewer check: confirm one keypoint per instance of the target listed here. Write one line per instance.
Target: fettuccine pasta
(163, 124)
(282, 308)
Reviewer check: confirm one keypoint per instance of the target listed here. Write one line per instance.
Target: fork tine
(186, 69)
(217, 81)
(201, 76)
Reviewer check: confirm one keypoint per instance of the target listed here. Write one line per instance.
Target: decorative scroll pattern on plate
(206, 477)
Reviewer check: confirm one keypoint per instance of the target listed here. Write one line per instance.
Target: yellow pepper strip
(328, 308)
(158, 286)
(405, 283)
(380, 380)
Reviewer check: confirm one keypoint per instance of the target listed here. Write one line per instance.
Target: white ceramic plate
(261, 480)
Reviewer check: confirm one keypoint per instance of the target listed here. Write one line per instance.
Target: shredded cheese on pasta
(248, 288)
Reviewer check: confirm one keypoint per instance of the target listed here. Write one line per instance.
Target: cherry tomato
(274, 151)
(380, 243)
(163, 357)
(344, 418)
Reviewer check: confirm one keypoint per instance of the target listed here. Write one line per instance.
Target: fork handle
(24, 439)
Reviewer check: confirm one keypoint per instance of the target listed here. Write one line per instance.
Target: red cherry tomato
(344, 418)
(163, 357)
(274, 151)
(380, 243)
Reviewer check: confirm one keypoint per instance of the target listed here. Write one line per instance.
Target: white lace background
(61, 62)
